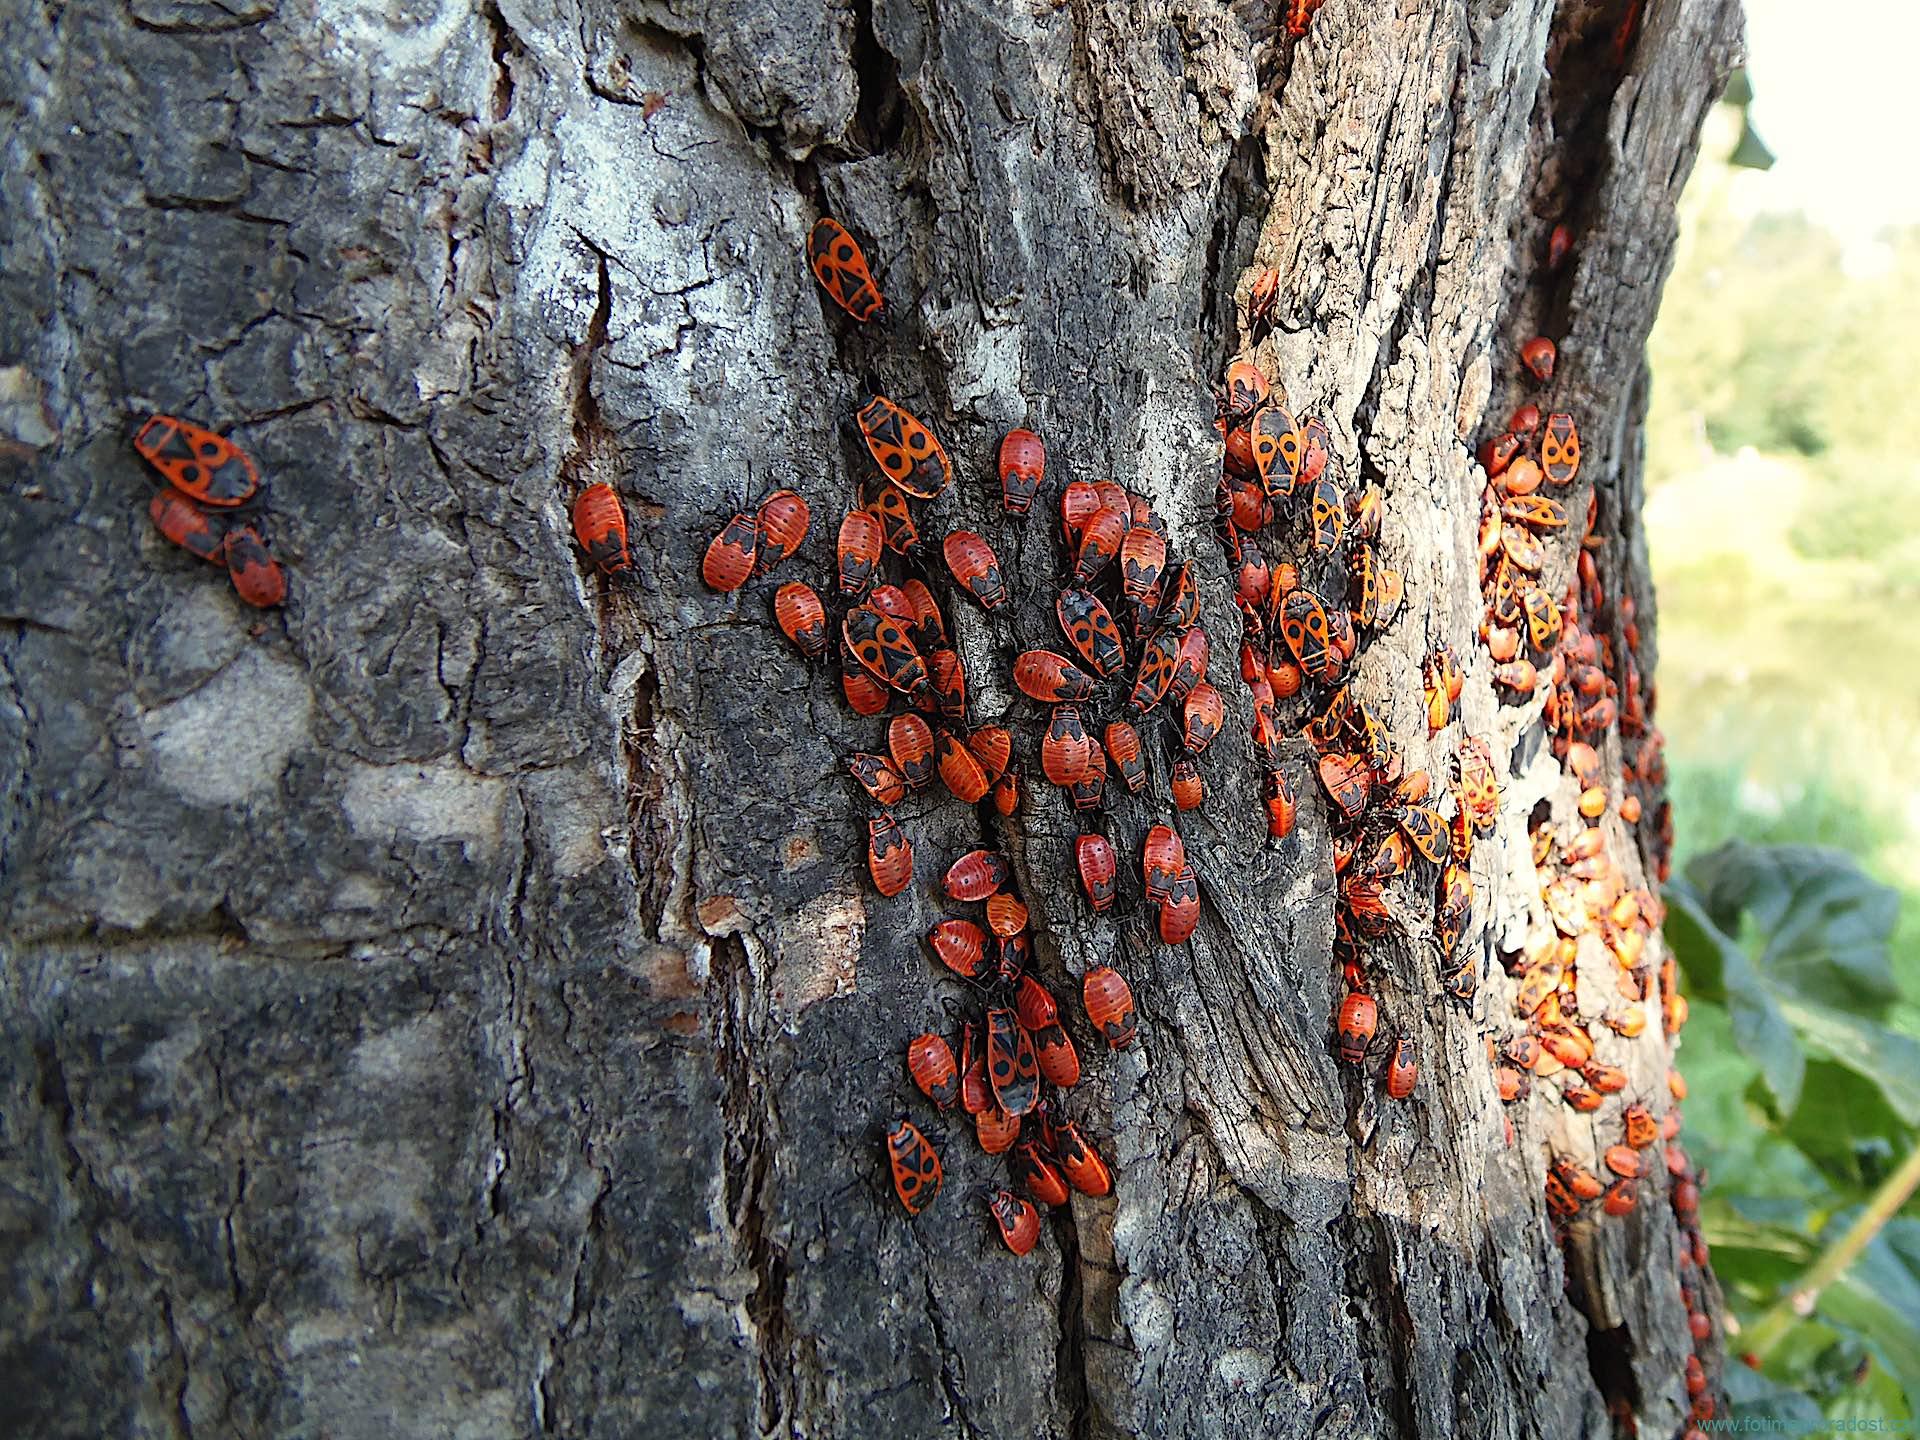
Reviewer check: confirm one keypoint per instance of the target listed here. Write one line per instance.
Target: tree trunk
(456, 1005)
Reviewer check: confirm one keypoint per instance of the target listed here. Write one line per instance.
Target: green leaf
(1765, 1037)
(1727, 883)
(1752, 152)
(1825, 921)
(1754, 1259)
(1877, 1395)
(1889, 1059)
(1805, 1356)
(1732, 1122)
(1819, 975)
(1903, 1235)
(1756, 1396)
(1843, 1122)
(1697, 942)
(1759, 1029)
(1878, 1298)
(1832, 945)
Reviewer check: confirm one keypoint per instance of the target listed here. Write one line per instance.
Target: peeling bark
(455, 1004)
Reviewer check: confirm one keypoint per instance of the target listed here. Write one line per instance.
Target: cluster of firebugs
(1130, 649)
(1304, 619)
(1130, 643)
(212, 504)
(1303, 624)
(1596, 926)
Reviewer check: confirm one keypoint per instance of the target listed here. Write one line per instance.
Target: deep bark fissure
(506, 48)
(1378, 1388)
(645, 789)
(593, 442)
(235, 1286)
(1567, 172)
(553, 1356)
(1398, 1324)
(880, 125)
(1070, 1357)
(243, 20)
(1609, 1362)
(750, 1194)
(177, 1360)
(952, 1370)
(1506, 1325)
(1243, 194)
(53, 1097)
(1272, 1226)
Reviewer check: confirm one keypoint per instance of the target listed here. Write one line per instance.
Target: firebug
(897, 530)
(198, 463)
(1023, 464)
(600, 525)
(782, 522)
(1185, 782)
(256, 575)
(1158, 658)
(1066, 755)
(187, 525)
(1560, 449)
(961, 946)
(889, 856)
(1007, 918)
(1039, 1174)
(959, 771)
(1359, 1016)
(1012, 1071)
(992, 746)
(1538, 355)
(732, 553)
(1098, 870)
(1084, 1168)
(1059, 1061)
(1403, 1069)
(1161, 859)
(802, 618)
(930, 1062)
(878, 777)
(858, 551)
(1089, 626)
(1180, 911)
(976, 875)
(996, 1130)
(879, 644)
(977, 569)
(841, 268)
(1046, 676)
(916, 1167)
(1109, 1002)
(910, 743)
(905, 449)
(1100, 543)
(1018, 1221)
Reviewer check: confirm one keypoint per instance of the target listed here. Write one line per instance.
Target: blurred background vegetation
(1783, 460)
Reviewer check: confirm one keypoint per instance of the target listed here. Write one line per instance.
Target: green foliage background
(1782, 472)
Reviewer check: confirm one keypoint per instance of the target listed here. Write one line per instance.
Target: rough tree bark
(455, 1006)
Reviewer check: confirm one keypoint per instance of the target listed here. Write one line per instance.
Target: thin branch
(1798, 1302)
